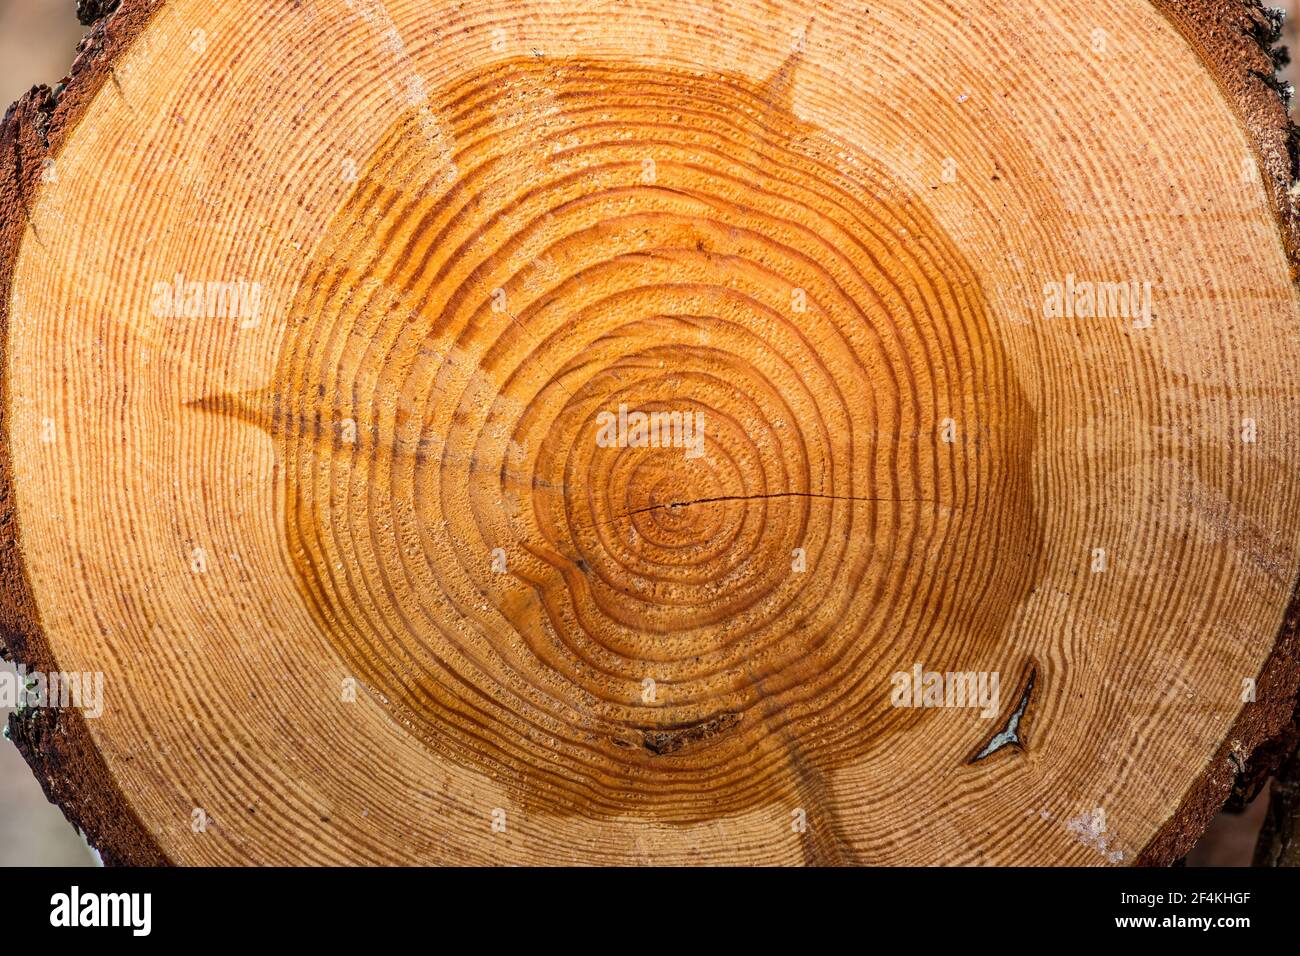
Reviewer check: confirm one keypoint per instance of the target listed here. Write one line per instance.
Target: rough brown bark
(57, 743)
(1279, 837)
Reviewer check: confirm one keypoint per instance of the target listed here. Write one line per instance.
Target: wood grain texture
(825, 229)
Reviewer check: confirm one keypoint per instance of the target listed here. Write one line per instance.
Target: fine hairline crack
(780, 494)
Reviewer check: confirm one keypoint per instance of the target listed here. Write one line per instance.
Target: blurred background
(37, 40)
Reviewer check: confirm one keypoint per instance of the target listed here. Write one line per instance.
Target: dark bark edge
(57, 743)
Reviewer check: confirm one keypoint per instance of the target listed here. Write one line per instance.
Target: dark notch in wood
(671, 740)
(1012, 733)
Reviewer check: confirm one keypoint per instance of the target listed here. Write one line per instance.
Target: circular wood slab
(574, 432)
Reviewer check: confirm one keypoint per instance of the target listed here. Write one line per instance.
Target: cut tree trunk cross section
(564, 431)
